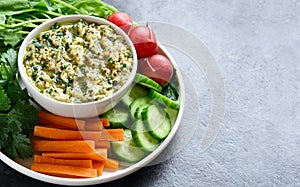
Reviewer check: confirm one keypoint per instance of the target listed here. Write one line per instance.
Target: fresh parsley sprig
(19, 17)
(17, 115)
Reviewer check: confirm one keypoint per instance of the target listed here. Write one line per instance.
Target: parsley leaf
(22, 145)
(25, 113)
(170, 91)
(10, 38)
(4, 101)
(15, 93)
(19, 146)
(3, 131)
(6, 72)
(10, 58)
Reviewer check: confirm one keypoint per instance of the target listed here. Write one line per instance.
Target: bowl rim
(73, 18)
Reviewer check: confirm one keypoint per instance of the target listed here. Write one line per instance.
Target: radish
(157, 67)
(144, 41)
(122, 20)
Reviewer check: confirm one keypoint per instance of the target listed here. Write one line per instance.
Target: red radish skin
(122, 20)
(157, 67)
(144, 41)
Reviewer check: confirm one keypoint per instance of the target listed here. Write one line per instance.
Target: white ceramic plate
(22, 166)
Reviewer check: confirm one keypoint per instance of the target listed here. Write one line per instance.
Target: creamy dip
(78, 62)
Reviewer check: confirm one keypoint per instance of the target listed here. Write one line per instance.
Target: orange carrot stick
(105, 122)
(56, 161)
(112, 134)
(99, 154)
(111, 164)
(102, 144)
(64, 170)
(60, 134)
(60, 122)
(77, 146)
(99, 166)
(96, 124)
(93, 126)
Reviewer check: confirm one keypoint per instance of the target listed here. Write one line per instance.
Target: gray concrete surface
(256, 44)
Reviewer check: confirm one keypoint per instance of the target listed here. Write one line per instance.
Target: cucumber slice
(139, 110)
(127, 150)
(128, 137)
(118, 118)
(141, 101)
(147, 82)
(133, 93)
(157, 121)
(142, 138)
(172, 114)
(164, 100)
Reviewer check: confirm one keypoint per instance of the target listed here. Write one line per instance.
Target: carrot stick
(99, 154)
(111, 164)
(102, 152)
(99, 166)
(65, 170)
(96, 124)
(60, 134)
(105, 122)
(77, 146)
(112, 134)
(102, 144)
(49, 160)
(60, 122)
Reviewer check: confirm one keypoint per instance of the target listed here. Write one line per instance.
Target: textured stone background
(256, 44)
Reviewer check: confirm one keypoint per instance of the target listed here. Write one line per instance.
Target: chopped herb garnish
(129, 55)
(82, 69)
(67, 46)
(109, 80)
(63, 67)
(45, 36)
(115, 83)
(34, 74)
(59, 81)
(38, 45)
(70, 83)
(27, 57)
(55, 26)
(83, 86)
(60, 33)
(124, 66)
(110, 59)
(37, 67)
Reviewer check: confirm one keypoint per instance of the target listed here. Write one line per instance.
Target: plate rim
(119, 173)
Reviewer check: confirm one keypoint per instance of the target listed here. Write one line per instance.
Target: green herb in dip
(78, 62)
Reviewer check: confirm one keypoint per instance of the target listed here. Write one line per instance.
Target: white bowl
(78, 110)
